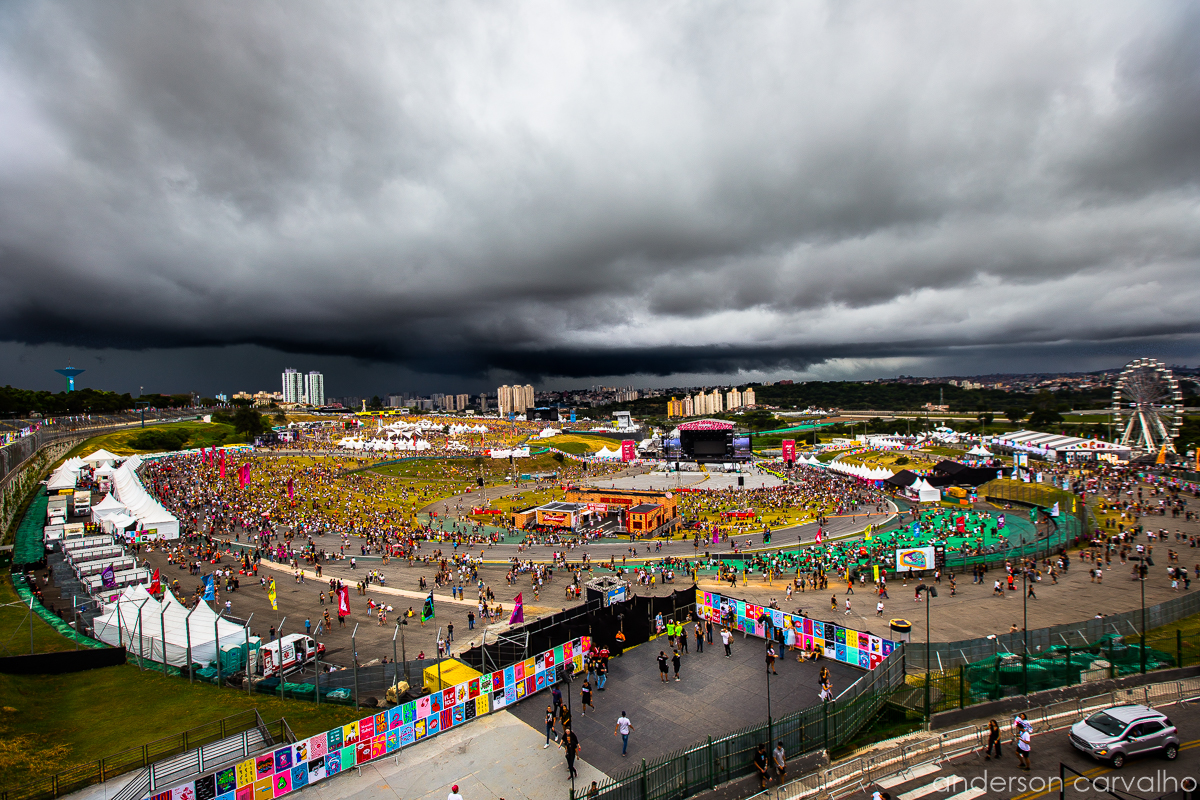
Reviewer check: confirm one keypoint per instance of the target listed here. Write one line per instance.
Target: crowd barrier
(307, 761)
(859, 773)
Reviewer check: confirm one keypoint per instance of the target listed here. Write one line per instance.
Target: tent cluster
(548, 432)
(404, 442)
(516, 452)
(66, 476)
(112, 515)
(150, 627)
(149, 513)
(859, 471)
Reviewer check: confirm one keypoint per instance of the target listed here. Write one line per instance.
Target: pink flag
(222, 465)
(291, 490)
(518, 614)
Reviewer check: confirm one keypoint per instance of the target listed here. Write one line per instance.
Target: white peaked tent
(149, 512)
(979, 450)
(66, 476)
(924, 492)
(139, 622)
(101, 458)
(107, 507)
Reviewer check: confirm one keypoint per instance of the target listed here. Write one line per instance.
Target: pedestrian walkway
(497, 756)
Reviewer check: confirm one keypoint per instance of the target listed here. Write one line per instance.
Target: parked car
(1122, 731)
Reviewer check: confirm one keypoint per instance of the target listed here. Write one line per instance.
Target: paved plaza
(716, 695)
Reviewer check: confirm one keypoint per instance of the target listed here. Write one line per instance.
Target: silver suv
(1122, 731)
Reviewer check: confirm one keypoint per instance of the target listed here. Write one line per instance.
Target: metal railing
(83, 775)
(907, 754)
(715, 761)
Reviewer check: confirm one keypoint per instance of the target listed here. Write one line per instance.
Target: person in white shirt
(454, 795)
(726, 637)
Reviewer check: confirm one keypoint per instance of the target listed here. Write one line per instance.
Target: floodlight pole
(217, 642)
(162, 620)
(187, 627)
(279, 647)
(247, 632)
(354, 658)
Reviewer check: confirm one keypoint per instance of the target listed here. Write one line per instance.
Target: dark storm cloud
(571, 190)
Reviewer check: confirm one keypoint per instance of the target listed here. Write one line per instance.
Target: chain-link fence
(714, 761)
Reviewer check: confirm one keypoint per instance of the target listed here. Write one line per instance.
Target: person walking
(699, 638)
(780, 758)
(847, 606)
(623, 729)
(662, 665)
(675, 661)
(760, 765)
(771, 658)
(550, 717)
(585, 699)
(993, 740)
(1023, 748)
(725, 639)
(570, 743)
(556, 697)
(454, 795)
(879, 609)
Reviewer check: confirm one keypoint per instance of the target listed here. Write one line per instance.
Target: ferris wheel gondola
(1147, 406)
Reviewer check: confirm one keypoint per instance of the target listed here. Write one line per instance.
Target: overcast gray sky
(440, 196)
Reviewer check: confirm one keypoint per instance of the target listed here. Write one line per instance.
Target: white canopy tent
(101, 458)
(66, 476)
(149, 512)
(140, 622)
(924, 493)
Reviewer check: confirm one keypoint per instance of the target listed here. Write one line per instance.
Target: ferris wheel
(1147, 406)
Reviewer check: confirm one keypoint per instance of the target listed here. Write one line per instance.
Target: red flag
(155, 584)
(518, 614)
(818, 535)
(222, 465)
(203, 456)
(343, 595)
(291, 490)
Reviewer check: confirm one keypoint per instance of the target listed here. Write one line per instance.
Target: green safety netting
(28, 547)
(1108, 657)
(24, 592)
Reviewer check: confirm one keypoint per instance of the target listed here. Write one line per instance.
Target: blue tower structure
(70, 373)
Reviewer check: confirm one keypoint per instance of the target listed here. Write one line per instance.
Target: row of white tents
(402, 444)
(150, 628)
(150, 514)
(859, 471)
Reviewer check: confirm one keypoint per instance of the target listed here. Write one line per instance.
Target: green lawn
(200, 434)
(103, 711)
(14, 627)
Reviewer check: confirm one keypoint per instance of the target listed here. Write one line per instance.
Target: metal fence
(83, 775)
(944, 655)
(842, 779)
(714, 761)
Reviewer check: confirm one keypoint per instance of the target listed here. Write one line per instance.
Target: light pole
(1025, 625)
(930, 593)
(1142, 570)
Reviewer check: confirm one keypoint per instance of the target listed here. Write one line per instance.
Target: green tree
(1014, 415)
(249, 422)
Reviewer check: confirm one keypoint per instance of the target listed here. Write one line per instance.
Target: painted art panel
(423, 708)
(481, 706)
(283, 782)
(407, 734)
(283, 761)
(362, 751)
(379, 745)
(393, 740)
(473, 689)
(851, 640)
(185, 792)
(366, 727)
(316, 769)
(263, 789)
(333, 763)
(318, 745)
(243, 793)
(334, 741)
(349, 734)
(245, 773)
(206, 787)
(394, 719)
(349, 756)
(421, 729)
(226, 780)
(299, 776)
(300, 754)
(264, 766)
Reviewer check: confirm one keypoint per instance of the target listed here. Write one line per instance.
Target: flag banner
(155, 583)
(518, 613)
(210, 588)
(819, 535)
(1054, 510)
(222, 465)
(343, 595)
(108, 578)
(291, 490)
(427, 609)
(272, 595)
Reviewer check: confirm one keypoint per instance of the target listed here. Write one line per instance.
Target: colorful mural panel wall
(294, 766)
(849, 646)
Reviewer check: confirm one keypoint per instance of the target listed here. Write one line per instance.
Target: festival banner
(849, 646)
(343, 596)
(272, 595)
(789, 451)
(628, 450)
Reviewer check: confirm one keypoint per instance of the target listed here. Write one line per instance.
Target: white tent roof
(101, 456)
(65, 477)
(168, 617)
(978, 450)
(149, 512)
(108, 503)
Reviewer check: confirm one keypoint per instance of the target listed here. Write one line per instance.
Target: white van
(297, 650)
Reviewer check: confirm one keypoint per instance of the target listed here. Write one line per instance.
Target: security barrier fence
(946, 655)
(706, 764)
(84, 775)
(856, 774)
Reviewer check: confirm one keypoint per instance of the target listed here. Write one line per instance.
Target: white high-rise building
(461, 401)
(504, 399)
(526, 398)
(748, 397)
(314, 388)
(293, 386)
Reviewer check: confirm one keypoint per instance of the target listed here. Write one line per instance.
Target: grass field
(14, 627)
(200, 434)
(578, 444)
(88, 715)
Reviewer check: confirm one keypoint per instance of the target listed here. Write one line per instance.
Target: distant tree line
(24, 402)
